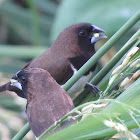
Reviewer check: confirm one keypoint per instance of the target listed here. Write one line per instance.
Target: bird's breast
(79, 85)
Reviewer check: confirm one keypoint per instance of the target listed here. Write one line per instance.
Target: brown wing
(55, 63)
(45, 111)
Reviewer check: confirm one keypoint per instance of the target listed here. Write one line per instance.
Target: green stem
(84, 96)
(115, 59)
(119, 78)
(22, 133)
(74, 111)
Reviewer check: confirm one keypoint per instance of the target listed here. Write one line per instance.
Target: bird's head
(19, 81)
(31, 81)
(83, 35)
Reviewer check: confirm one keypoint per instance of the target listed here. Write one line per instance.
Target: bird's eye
(23, 79)
(83, 33)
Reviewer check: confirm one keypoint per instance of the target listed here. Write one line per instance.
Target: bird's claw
(92, 88)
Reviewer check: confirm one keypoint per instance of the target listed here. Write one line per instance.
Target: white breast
(79, 85)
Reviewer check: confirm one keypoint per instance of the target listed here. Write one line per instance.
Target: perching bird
(70, 51)
(47, 102)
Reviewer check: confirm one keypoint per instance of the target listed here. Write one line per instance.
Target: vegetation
(27, 28)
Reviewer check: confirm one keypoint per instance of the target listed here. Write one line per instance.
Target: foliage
(27, 28)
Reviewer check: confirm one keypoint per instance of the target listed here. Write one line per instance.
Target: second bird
(47, 102)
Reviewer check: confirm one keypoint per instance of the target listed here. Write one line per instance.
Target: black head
(81, 36)
(32, 81)
(19, 81)
(88, 35)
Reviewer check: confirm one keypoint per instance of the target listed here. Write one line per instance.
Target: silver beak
(16, 84)
(97, 34)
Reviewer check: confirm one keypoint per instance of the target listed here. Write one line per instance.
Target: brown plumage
(73, 47)
(47, 102)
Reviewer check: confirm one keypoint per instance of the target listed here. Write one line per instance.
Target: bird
(47, 102)
(73, 47)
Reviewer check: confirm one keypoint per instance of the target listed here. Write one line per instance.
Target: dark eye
(83, 33)
(23, 79)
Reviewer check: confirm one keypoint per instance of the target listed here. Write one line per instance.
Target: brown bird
(70, 51)
(47, 102)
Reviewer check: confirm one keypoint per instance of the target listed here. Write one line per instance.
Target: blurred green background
(28, 27)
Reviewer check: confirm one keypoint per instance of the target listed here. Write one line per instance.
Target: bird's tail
(4, 87)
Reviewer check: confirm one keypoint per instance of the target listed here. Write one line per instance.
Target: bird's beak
(97, 34)
(16, 84)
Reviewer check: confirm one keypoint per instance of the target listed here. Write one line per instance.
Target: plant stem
(84, 96)
(74, 111)
(22, 132)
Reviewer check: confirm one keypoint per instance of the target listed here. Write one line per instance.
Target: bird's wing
(45, 111)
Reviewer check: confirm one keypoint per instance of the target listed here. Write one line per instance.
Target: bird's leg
(92, 88)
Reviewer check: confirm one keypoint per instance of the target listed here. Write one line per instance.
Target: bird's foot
(92, 88)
